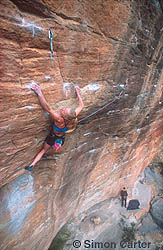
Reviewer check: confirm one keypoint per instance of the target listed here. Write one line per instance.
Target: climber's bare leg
(46, 147)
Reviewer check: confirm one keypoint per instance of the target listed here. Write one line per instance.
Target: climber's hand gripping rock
(36, 88)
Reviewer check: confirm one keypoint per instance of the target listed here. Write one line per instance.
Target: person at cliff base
(124, 195)
(63, 122)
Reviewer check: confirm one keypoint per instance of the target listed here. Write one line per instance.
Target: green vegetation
(128, 232)
(60, 240)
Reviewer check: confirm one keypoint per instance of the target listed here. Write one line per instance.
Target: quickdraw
(51, 44)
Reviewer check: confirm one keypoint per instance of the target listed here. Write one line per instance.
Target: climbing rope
(106, 105)
(51, 44)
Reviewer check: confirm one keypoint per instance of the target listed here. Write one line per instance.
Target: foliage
(60, 240)
(128, 232)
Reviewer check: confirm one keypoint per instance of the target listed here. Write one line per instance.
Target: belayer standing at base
(124, 195)
(62, 123)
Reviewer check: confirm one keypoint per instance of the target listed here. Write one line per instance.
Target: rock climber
(124, 195)
(62, 123)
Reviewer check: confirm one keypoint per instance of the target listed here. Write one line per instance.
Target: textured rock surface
(104, 47)
(113, 219)
(156, 212)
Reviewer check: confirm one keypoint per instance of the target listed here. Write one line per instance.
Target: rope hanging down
(51, 44)
(106, 105)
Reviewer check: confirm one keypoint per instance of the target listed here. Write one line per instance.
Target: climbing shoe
(29, 168)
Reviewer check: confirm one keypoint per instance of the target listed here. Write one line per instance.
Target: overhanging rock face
(106, 48)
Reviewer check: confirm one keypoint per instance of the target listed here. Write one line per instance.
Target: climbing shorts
(53, 139)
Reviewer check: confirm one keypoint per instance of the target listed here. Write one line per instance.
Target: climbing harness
(106, 105)
(51, 44)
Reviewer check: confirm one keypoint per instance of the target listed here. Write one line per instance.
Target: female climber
(62, 123)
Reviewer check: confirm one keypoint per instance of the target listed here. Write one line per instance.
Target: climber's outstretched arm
(55, 116)
(81, 104)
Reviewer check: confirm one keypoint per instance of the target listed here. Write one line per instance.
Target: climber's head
(68, 113)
